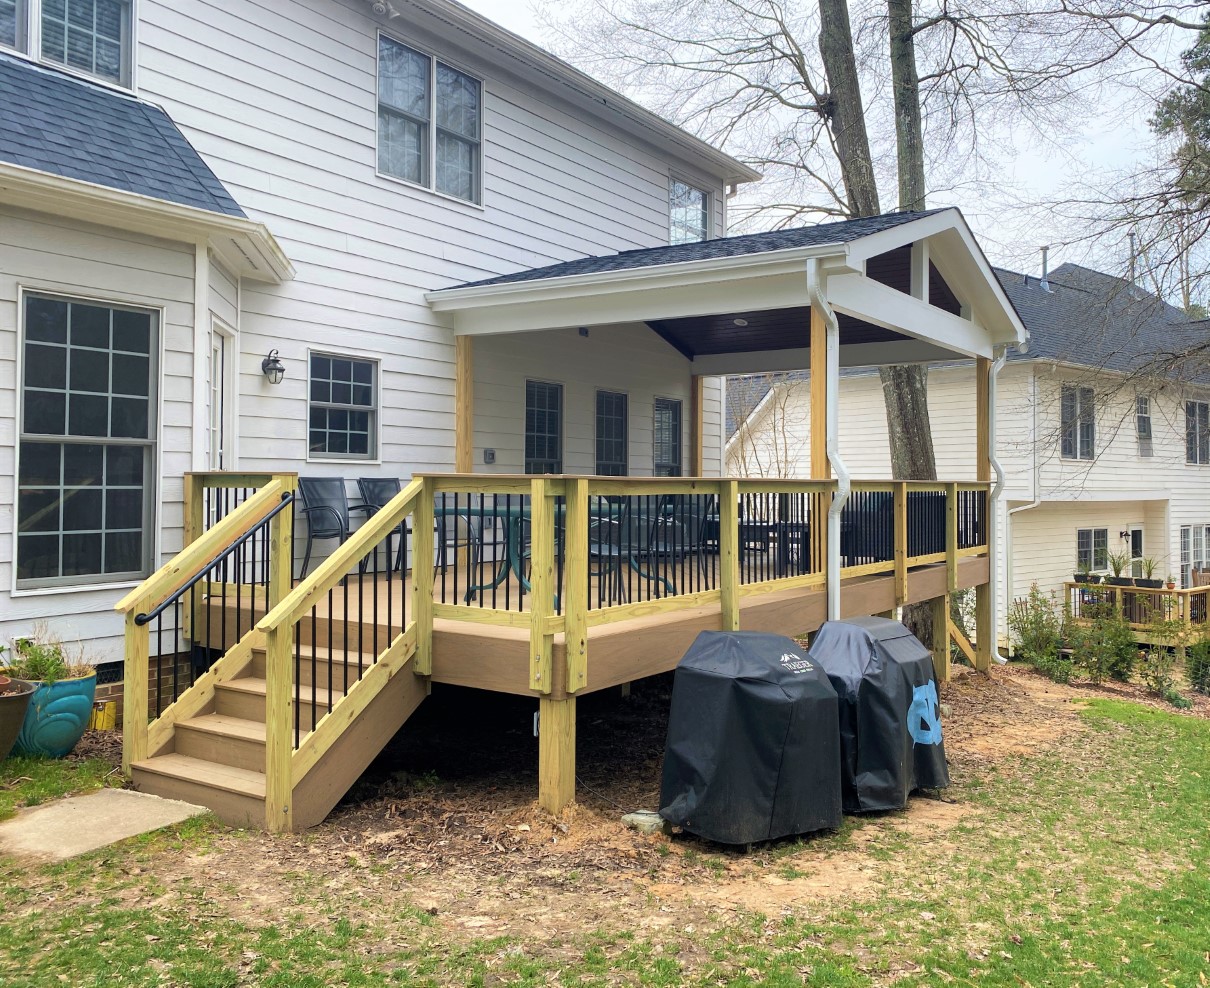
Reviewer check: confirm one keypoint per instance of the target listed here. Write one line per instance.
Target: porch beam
(464, 404)
(882, 306)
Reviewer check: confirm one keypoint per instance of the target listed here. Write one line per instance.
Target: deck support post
(575, 583)
(556, 753)
(135, 688)
(464, 404)
(940, 613)
(279, 729)
(728, 553)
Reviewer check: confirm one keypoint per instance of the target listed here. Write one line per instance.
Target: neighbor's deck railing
(1142, 607)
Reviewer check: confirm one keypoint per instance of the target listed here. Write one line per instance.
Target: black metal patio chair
(327, 510)
(377, 492)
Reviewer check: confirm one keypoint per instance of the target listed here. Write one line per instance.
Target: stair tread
(258, 687)
(237, 780)
(227, 726)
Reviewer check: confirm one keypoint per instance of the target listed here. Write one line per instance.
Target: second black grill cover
(890, 718)
(753, 749)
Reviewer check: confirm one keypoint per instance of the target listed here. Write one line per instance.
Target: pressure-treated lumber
(983, 464)
(697, 396)
(135, 686)
(464, 404)
(951, 535)
(901, 542)
(575, 584)
(941, 637)
(983, 626)
(423, 550)
(279, 729)
(728, 553)
(556, 753)
(542, 586)
(963, 643)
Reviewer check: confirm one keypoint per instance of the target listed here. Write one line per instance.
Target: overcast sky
(1114, 140)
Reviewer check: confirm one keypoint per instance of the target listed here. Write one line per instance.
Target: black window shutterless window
(543, 427)
(611, 434)
(667, 437)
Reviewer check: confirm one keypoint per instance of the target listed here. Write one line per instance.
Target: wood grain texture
(464, 404)
(556, 753)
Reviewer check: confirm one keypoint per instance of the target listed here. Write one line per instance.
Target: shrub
(1197, 665)
(1104, 649)
(43, 657)
(1034, 622)
(1156, 669)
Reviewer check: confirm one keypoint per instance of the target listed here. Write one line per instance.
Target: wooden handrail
(193, 558)
(334, 569)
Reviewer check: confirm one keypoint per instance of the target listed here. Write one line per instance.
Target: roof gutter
(246, 245)
(817, 293)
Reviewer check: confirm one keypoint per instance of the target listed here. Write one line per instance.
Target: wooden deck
(469, 651)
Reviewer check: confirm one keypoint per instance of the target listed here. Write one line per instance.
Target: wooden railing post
(135, 688)
(940, 612)
(279, 728)
(951, 536)
(194, 526)
(423, 554)
(728, 552)
(575, 584)
(901, 543)
(542, 585)
(281, 557)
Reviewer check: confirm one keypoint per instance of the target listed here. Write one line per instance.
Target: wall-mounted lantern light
(273, 368)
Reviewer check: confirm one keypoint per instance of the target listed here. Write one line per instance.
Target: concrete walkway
(73, 826)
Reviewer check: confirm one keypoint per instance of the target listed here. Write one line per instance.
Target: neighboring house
(188, 189)
(1104, 442)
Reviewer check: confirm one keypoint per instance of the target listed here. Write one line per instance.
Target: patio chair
(327, 510)
(608, 546)
(377, 492)
(461, 523)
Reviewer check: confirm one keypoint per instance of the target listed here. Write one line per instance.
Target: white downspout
(1037, 487)
(815, 292)
(994, 508)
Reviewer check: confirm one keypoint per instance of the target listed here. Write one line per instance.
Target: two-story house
(1102, 431)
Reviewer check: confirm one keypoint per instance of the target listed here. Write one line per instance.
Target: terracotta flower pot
(15, 695)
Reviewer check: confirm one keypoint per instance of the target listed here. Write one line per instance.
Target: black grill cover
(753, 748)
(890, 717)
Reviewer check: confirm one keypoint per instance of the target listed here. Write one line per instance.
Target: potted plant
(1171, 582)
(1118, 561)
(1081, 574)
(61, 701)
(14, 701)
(1148, 580)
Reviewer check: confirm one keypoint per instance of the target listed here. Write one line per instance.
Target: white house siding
(279, 97)
(60, 256)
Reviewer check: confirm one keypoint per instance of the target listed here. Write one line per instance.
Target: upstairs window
(1197, 432)
(92, 36)
(429, 122)
(611, 434)
(8, 22)
(543, 427)
(1079, 427)
(667, 438)
(1142, 424)
(1092, 549)
(344, 408)
(689, 209)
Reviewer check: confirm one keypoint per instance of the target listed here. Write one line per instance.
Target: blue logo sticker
(924, 717)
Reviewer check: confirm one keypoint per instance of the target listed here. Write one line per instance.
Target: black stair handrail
(287, 499)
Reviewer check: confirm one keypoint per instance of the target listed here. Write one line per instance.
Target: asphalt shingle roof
(840, 232)
(58, 123)
(1087, 318)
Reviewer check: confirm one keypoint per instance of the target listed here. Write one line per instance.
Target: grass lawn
(1081, 861)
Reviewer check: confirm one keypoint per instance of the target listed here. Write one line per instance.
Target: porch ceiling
(741, 304)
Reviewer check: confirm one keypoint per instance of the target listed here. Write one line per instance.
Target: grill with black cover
(753, 750)
(890, 717)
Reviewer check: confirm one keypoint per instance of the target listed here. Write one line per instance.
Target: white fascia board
(1098, 495)
(246, 246)
(874, 303)
(743, 283)
(596, 96)
(874, 244)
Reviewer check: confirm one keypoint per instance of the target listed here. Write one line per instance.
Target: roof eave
(733, 170)
(245, 245)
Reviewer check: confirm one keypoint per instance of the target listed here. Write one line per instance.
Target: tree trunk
(905, 390)
(846, 113)
(909, 134)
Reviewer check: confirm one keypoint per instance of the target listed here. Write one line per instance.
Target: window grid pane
(1077, 431)
(458, 112)
(667, 437)
(344, 407)
(85, 34)
(689, 210)
(404, 100)
(543, 427)
(83, 484)
(611, 434)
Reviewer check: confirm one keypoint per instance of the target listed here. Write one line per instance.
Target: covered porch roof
(906, 287)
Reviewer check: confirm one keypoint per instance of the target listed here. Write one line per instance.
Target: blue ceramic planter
(57, 717)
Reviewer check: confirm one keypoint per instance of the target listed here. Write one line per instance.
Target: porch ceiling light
(273, 368)
(741, 322)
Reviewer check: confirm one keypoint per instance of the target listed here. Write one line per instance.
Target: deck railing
(1142, 607)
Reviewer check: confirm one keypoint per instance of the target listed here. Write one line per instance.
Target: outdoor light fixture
(273, 368)
(741, 323)
(1125, 536)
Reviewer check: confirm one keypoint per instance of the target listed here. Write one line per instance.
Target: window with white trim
(1197, 432)
(90, 36)
(1195, 552)
(85, 480)
(689, 213)
(1142, 425)
(343, 417)
(1079, 424)
(1092, 549)
(430, 122)
(666, 438)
